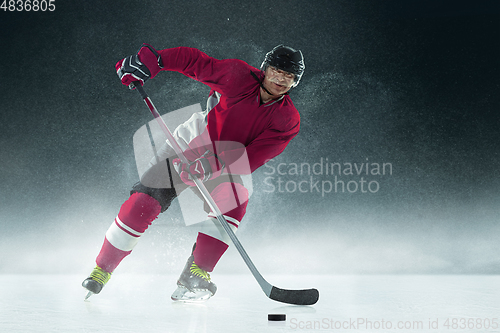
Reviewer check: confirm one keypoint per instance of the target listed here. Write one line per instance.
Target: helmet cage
(286, 59)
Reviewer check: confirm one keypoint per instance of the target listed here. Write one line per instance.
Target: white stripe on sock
(126, 227)
(228, 219)
(121, 239)
(215, 230)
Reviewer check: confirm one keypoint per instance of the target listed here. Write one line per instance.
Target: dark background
(411, 83)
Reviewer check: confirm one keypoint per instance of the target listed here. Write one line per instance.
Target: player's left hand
(204, 168)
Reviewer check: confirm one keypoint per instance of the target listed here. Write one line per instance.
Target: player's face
(277, 81)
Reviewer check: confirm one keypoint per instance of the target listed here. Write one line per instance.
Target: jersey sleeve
(224, 76)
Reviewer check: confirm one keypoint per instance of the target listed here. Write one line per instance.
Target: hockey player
(249, 113)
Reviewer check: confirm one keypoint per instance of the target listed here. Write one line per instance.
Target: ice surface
(141, 303)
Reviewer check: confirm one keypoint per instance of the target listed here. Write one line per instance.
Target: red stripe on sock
(125, 230)
(228, 221)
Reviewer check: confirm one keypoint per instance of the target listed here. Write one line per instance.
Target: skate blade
(182, 294)
(88, 295)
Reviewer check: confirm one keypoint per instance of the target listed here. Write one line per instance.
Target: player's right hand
(139, 67)
(206, 167)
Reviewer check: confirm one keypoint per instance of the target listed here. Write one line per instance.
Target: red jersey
(263, 130)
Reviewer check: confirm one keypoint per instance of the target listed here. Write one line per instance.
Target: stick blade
(297, 297)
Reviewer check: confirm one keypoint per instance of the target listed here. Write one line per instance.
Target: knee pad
(164, 196)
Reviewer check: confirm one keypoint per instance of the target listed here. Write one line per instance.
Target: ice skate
(96, 281)
(194, 284)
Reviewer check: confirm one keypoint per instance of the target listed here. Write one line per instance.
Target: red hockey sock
(110, 257)
(139, 211)
(135, 216)
(208, 251)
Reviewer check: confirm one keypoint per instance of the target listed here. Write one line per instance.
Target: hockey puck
(276, 317)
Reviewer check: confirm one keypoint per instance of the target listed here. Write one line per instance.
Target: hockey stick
(298, 297)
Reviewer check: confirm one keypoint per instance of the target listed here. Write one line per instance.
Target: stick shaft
(266, 286)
